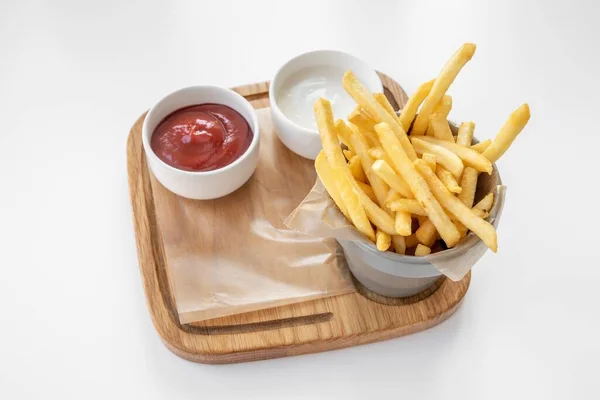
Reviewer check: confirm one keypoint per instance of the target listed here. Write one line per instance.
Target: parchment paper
(234, 254)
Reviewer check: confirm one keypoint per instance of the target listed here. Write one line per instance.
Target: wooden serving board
(308, 327)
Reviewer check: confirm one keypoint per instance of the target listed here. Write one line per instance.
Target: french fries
(356, 169)
(419, 188)
(444, 106)
(368, 102)
(439, 128)
(407, 115)
(343, 177)
(509, 132)
(367, 189)
(385, 103)
(468, 185)
(347, 153)
(403, 223)
(380, 188)
(382, 179)
(482, 146)
(429, 159)
(387, 174)
(447, 178)
(426, 233)
(410, 206)
(422, 250)
(465, 133)
(479, 226)
(329, 179)
(486, 203)
(469, 157)
(392, 196)
(441, 85)
(443, 156)
(383, 241)
(343, 137)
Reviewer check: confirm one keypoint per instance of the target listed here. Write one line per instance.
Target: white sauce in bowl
(300, 91)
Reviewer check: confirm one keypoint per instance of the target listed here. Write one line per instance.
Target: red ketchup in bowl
(203, 137)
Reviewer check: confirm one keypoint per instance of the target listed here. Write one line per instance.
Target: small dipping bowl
(321, 73)
(396, 275)
(202, 185)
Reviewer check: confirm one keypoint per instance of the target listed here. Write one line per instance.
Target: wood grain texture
(313, 326)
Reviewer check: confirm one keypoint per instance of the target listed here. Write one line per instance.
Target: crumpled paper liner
(234, 254)
(318, 215)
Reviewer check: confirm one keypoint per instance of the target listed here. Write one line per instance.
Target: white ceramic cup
(202, 185)
(303, 141)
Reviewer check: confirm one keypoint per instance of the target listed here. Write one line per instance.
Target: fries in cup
(385, 171)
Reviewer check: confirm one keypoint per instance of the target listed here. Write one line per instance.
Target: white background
(75, 75)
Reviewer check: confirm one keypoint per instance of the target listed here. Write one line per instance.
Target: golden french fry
(377, 153)
(382, 240)
(389, 176)
(348, 153)
(441, 85)
(366, 100)
(360, 115)
(379, 217)
(429, 159)
(392, 196)
(344, 179)
(399, 244)
(486, 203)
(391, 144)
(481, 146)
(426, 234)
(361, 119)
(385, 103)
(380, 188)
(509, 132)
(463, 229)
(325, 173)
(448, 179)
(414, 101)
(410, 206)
(468, 185)
(403, 223)
(443, 156)
(480, 213)
(444, 106)
(439, 128)
(343, 135)
(422, 250)
(465, 133)
(469, 157)
(462, 213)
(367, 189)
(356, 169)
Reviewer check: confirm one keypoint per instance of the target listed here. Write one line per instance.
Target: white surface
(73, 79)
(202, 184)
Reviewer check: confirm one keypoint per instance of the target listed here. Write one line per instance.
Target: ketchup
(204, 137)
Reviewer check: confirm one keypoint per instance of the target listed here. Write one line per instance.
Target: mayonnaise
(300, 91)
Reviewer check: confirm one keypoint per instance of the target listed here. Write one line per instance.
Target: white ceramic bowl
(303, 141)
(202, 185)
